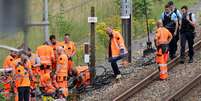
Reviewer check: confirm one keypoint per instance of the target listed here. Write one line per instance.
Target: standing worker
(170, 22)
(23, 75)
(54, 44)
(187, 33)
(117, 50)
(46, 55)
(162, 39)
(35, 67)
(179, 17)
(70, 50)
(61, 73)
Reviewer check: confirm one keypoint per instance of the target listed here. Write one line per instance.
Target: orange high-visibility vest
(54, 47)
(117, 43)
(162, 36)
(84, 72)
(62, 61)
(22, 77)
(33, 61)
(8, 62)
(46, 54)
(70, 48)
(46, 82)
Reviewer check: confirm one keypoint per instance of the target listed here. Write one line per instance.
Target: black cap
(170, 3)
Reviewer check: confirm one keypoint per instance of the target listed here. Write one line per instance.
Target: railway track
(150, 78)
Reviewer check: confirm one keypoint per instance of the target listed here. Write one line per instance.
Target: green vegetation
(70, 16)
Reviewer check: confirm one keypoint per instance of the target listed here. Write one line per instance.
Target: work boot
(190, 60)
(118, 76)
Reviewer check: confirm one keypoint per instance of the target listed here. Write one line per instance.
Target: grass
(105, 11)
(78, 18)
(157, 8)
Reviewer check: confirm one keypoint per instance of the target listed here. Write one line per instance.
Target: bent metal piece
(139, 86)
(10, 48)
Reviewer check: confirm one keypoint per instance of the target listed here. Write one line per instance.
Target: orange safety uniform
(55, 54)
(46, 55)
(84, 73)
(15, 65)
(62, 73)
(35, 60)
(8, 63)
(117, 43)
(46, 83)
(22, 78)
(70, 50)
(162, 39)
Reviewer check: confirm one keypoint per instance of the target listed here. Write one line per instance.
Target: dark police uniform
(169, 23)
(187, 34)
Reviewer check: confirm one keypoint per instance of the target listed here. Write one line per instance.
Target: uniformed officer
(179, 17)
(187, 33)
(170, 22)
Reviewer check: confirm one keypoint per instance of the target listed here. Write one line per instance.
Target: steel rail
(150, 78)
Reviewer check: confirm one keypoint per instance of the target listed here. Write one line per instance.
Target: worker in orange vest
(9, 60)
(117, 50)
(70, 50)
(23, 75)
(162, 39)
(35, 67)
(46, 55)
(54, 44)
(47, 83)
(8, 64)
(61, 73)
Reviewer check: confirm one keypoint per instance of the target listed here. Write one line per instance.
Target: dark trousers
(173, 44)
(115, 68)
(23, 93)
(189, 37)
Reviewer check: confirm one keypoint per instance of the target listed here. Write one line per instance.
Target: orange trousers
(63, 84)
(161, 60)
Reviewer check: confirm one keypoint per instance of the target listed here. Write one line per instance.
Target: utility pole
(149, 48)
(148, 33)
(25, 47)
(45, 18)
(126, 9)
(92, 20)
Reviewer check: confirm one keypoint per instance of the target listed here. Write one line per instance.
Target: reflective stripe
(163, 71)
(162, 65)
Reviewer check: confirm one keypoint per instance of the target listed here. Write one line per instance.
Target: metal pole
(92, 45)
(146, 17)
(25, 38)
(126, 25)
(148, 33)
(129, 40)
(45, 18)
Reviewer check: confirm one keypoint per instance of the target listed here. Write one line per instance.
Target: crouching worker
(117, 50)
(162, 39)
(47, 84)
(61, 73)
